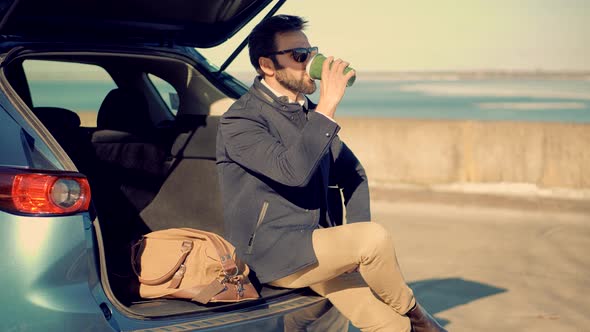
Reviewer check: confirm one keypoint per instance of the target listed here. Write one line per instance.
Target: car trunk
(162, 176)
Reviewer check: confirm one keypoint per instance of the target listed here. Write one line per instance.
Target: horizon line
(462, 71)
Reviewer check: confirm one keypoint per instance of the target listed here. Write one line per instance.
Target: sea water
(558, 100)
(513, 100)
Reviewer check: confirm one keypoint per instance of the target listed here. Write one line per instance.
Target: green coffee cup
(314, 68)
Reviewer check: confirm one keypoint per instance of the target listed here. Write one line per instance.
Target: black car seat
(124, 110)
(64, 126)
(125, 143)
(132, 167)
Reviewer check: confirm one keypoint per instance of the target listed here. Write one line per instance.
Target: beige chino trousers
(374, 300)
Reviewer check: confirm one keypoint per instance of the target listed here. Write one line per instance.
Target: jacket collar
(281, 102)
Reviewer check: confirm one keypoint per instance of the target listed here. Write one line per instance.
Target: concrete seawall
(438, 152)
(444, 152)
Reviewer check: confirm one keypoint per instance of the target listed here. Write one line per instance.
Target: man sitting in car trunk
(279, 160)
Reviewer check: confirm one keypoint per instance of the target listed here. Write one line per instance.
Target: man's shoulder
(247, 106)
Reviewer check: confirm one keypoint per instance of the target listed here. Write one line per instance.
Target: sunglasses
(299, 54)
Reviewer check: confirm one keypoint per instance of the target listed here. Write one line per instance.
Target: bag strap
(230, 268)
(185, 250)
(201, 294)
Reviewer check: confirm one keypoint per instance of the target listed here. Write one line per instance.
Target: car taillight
(43, 193)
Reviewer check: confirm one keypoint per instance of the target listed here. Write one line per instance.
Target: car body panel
(47, 281)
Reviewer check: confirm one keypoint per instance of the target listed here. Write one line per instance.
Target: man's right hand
(332, 85)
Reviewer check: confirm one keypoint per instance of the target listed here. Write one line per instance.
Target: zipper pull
(250, 243)
(258, 222)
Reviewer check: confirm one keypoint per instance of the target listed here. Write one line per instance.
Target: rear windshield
(21, 147)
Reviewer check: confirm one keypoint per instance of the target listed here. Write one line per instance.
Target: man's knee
(376, 239)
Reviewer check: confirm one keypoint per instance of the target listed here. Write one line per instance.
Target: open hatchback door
(195, 23)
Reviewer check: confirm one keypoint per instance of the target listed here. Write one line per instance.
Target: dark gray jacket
(278, 166)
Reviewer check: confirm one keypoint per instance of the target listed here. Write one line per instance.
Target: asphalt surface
(493, 263)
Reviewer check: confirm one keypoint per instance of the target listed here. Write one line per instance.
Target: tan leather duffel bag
(190, 264)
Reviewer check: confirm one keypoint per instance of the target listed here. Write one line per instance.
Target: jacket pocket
(261, 216)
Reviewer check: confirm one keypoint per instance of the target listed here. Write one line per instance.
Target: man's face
(290, 73)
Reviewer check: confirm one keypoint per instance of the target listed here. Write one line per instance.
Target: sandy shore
(87, 118)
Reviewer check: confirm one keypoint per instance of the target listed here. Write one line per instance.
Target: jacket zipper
(260, 219)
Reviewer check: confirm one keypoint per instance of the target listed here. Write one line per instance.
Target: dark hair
(262, 39)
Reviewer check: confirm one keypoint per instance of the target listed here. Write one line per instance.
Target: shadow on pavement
(437, 295)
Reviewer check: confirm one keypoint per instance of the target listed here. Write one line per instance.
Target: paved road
(494, 269)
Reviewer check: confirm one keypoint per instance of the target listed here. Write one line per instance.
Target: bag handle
(185, 249)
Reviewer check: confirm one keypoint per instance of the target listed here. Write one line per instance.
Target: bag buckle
(240, 289)
(228, 264)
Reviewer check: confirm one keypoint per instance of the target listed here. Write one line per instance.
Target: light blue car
(107, 131)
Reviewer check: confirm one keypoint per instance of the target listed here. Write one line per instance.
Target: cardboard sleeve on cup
(314, 68)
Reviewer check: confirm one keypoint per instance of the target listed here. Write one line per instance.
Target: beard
(304, 85)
